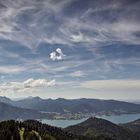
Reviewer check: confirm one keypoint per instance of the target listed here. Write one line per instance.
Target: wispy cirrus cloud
(21, 20)
(11, 69)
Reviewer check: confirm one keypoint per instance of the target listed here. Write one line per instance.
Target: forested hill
(96, 126)
(91, 129)
(34, 130)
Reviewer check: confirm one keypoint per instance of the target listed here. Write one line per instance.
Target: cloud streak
(78, 74)
(112, 85)
(10, 69)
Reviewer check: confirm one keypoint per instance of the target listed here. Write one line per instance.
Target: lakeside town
(80, 115)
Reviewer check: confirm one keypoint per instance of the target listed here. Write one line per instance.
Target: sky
(70, 49)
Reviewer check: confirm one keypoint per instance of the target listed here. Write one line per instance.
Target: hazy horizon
(70, 49)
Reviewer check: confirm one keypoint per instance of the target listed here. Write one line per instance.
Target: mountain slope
(95, 126)
(133, 126)
(34, 130)
(10, 112)
(4, 99)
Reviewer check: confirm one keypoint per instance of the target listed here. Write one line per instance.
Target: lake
(115, 119)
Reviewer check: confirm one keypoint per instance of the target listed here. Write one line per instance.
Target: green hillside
(34, 130)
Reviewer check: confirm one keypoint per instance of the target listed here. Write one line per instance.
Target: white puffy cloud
(57, 55)
(29, 84)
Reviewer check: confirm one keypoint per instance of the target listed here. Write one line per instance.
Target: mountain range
(73, 105)
(35, 107)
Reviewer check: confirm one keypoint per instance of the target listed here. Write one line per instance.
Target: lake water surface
(115, 119)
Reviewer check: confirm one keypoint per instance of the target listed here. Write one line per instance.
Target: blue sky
(70, 48)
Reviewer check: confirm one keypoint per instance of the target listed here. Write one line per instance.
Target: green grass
(21, 132)
(37, 134)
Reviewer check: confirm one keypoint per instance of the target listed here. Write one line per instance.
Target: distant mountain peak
(37, 98)
(5, 99)
(93, 121)
(61, 99)
(32, 98)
